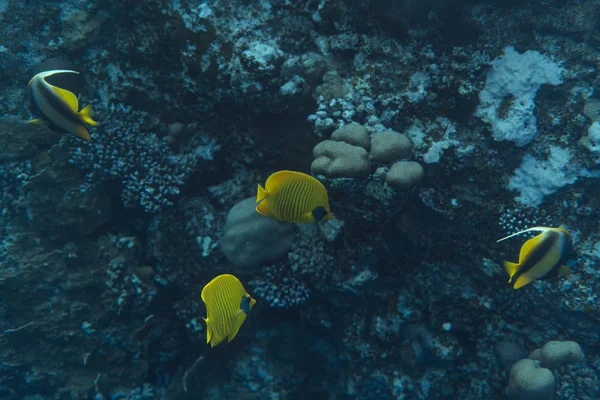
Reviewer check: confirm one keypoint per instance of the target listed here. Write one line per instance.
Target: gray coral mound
(250, 238)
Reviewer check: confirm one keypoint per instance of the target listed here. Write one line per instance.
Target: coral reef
(437, 128)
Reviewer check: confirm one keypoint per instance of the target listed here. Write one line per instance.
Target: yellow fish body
(227, 306)
(541, 257)
(57, 106)
(293, 197)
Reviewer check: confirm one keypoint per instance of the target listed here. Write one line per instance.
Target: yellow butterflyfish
(227, 306)
(293, 197)
(56, 105)
(541, 257)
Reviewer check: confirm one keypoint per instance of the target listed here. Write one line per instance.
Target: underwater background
(437, 127)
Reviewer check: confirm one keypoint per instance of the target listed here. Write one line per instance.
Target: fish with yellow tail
(53, 99)
(227, 306)
(293, 197)
(541, 257)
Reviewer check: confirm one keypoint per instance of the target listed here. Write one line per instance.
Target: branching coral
(309, 265)
(151, 175)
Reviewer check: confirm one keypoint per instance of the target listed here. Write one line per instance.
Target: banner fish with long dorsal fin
(541, 257)
(227, 306)
(53, 99)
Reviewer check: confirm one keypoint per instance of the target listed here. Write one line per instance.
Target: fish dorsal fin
(533, 229)
(278, 178)
(68, 97)
(66, 79)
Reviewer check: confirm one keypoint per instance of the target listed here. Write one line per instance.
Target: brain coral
(528, 381)
(555, 353)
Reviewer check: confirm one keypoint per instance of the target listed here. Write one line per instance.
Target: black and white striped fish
(53, 99)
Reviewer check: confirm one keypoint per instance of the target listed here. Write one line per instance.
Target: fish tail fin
(534, 229)
(261, 193)
(511, 269)
(86, 115)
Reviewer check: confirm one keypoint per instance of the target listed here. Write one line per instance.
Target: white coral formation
(531, 378)
(389, 146)
(340, 159)
(351, 150)
(405, 174)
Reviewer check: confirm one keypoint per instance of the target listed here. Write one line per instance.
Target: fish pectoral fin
(35, 121)
(564, 271)
(68, 97)
(86, 115)
(511, 269)
(522, 281)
